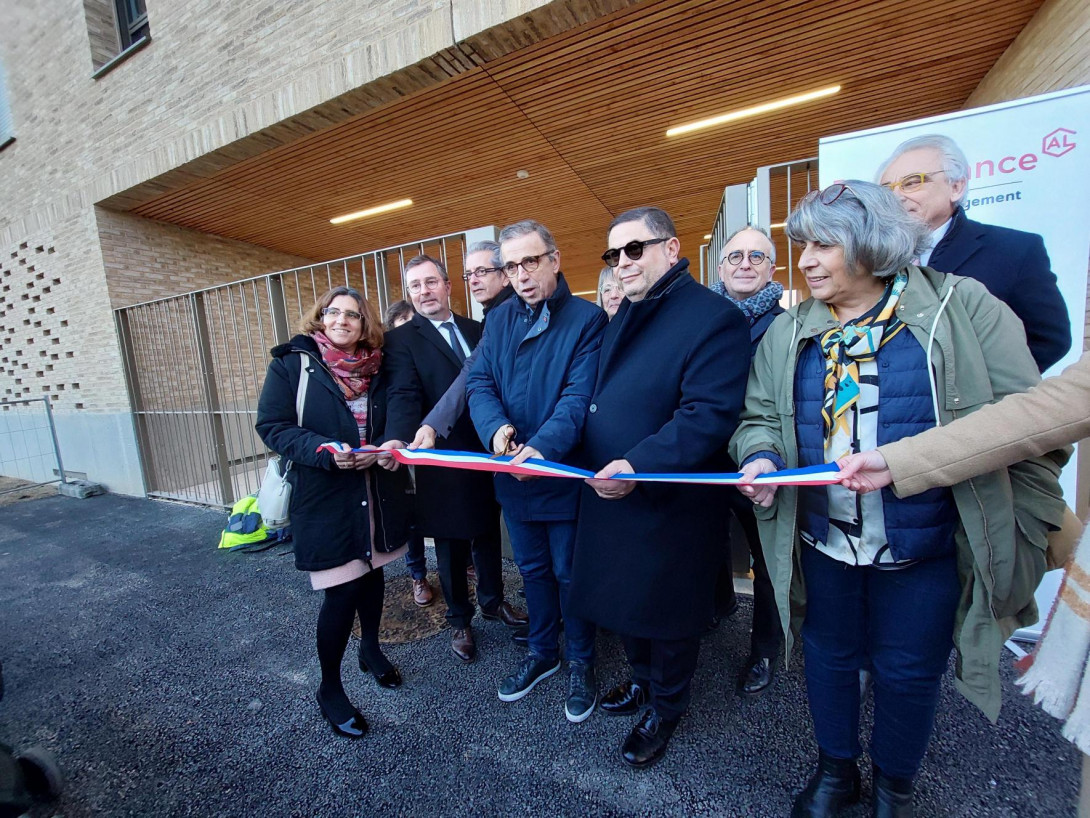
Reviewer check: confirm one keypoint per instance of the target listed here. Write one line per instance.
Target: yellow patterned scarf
(844, 347)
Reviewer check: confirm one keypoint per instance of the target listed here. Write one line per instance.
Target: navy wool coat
(536, 371)
(420, 367)
(671, 383)
(1014, 266)
(331, 509)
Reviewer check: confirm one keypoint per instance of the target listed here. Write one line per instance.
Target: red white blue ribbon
(822, 475)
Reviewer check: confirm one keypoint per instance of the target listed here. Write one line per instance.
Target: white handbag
(274, 496)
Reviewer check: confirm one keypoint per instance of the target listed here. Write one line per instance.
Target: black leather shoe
(355, 727)
(389, 678)
(834, 786)
(521, 636)
(509, 615)
(892, 796)
(648, 740)
(756, 677)
(626, 699)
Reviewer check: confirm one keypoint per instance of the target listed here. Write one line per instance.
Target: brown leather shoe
(509, 615)
(463, 644)
(422, 593)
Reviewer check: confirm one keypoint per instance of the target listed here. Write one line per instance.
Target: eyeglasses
(481, 272)
(756, 258)
(914, 181)
(634, 250)
(333, 312)
(427, 284)
(529, 264)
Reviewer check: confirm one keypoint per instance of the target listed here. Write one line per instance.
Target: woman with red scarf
(348, 518)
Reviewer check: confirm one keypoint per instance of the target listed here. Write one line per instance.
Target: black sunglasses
(634, 249)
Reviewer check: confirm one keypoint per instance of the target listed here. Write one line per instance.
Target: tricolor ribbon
(822, 475)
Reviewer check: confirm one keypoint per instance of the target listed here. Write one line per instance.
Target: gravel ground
(171, 679)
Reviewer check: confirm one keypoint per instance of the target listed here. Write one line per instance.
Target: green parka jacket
(978, 354)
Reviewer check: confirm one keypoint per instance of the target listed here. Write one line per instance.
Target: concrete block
(80, 489)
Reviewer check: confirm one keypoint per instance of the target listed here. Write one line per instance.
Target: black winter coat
(331, 509)
(671, 383)
(420, 366)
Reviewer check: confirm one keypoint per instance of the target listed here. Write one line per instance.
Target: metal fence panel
(195, 364)
(28, 442)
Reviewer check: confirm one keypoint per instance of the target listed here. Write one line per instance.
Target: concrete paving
(171, 679)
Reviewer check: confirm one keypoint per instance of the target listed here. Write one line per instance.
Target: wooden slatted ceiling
(585, 112)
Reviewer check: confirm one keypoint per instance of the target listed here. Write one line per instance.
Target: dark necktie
(455, 344)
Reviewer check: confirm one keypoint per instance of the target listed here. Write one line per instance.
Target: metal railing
(195, 364)
(28, 443)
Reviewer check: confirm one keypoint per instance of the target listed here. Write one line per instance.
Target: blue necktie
(455, 344)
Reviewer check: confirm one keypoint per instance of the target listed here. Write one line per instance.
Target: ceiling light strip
(372, 211)
(764, 108)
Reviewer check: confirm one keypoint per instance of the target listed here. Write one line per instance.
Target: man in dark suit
(670, 385)
(457, 508)
(930, 175)
(746, 265)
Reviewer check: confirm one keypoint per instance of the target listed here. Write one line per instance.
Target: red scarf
(351, 372)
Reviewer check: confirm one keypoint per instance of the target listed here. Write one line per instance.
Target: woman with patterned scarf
(348, 518)
(881, 350)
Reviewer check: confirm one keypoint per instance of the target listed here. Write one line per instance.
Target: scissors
(509, 439)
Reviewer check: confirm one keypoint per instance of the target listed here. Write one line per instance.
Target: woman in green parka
(885, 349)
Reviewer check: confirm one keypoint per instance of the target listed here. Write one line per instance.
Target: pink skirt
(320, 580)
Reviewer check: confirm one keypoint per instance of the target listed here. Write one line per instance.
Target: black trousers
(452, 557)
(767, 635)
(665, 667)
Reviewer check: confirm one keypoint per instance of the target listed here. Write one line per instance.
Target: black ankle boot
(892, 796)
(834, 786)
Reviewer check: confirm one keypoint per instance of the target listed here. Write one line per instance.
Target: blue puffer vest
(919, 527)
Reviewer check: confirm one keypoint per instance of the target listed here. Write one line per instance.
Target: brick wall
(146, 259)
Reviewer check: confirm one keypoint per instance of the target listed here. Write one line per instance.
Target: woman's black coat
(330, 507)
(671, 383)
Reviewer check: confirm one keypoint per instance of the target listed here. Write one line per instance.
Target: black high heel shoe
(355, 727)
(390, 679)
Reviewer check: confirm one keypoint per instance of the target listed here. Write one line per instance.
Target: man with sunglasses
(930, 175)
(457, 508)
(670, 386)
(746, 264)
(528, 396)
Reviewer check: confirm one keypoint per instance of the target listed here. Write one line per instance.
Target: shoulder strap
(301, 391)
(300, 398)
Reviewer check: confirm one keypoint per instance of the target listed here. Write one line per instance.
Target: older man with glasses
(528, 395)
(456, 508)
(746, 265)
(930, 176)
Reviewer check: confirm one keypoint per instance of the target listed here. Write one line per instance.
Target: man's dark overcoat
(671, 383)
(1014, 266)
(420, 365)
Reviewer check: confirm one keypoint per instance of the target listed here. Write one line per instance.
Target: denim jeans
(902, 622)
(415, 558)
(543, 552)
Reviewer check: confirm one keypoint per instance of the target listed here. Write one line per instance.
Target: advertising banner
(1029, 169)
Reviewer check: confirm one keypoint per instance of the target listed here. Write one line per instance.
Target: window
(116, 29)
(7, 124)
(132, 22)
